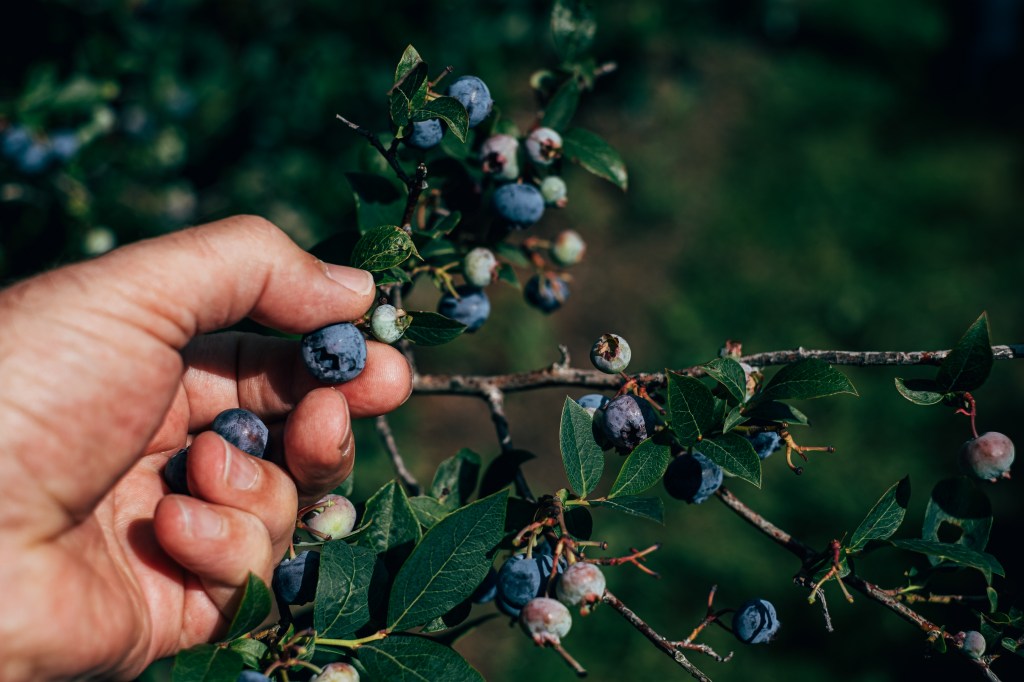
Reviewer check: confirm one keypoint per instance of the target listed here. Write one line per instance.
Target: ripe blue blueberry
(176, 472)
(480, 267)
(425, 134)
(65, 144)
(499, 156)
(974, 643)
(544, 146)
(474, 95)
(626, 421)
(243, 429)
(545, 620)
(519, 580)
(554, 191)
(692, 478)
(487, 590)
(471, 307)
(765, 443)
(546, 292)
(335, 516)
(295, 580)
(582, 583)
(338, 671)
(251, 676)
(520, 205)
(568, 248)
(36, 158)
(755, 622)
(388, 323)
(335, 353)
(987, 457)
(611, 354)
(592, 402)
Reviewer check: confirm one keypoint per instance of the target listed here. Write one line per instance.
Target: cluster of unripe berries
(333, 672)
(33, 154)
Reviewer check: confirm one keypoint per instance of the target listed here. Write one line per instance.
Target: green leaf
(581, 455)
(730, 375)
(252, 610)
(389, 519)
(513, 254)
(953, 553)
(411, 61)
(957, 505)
(573, 27)
(774, 411)
(919, 391)
(734, 454)
(643, 468)
(968, 364)
(733, 419)
(447, 565)
(443, 226)
(392, 276)
(382, 247)
(594, 154)
(884, 518)
(806, 379)
(414, 659)
(691, 407)
(342, 593)
(456, 478)
(428, 510)
(432, 329)
(449, 110)
(378, 202)
(206, 663)
(651, 508)
(437, 248)
(413, 84)
(507, 274)
(398, 109)
(562, 106)
(251, 650)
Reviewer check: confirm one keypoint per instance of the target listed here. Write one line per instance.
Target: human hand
(103, 376)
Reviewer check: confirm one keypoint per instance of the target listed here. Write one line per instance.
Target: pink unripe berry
(568, 248)
(582, 583)
(337, 672)
(545, 620)
(988, 456)
(544, 146)
(335, 516)
(499, 157)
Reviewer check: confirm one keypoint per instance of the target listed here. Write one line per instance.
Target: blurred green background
(808, 173)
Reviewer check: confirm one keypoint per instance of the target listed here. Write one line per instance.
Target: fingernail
(353, 279)
(240, 469)
(199, 520)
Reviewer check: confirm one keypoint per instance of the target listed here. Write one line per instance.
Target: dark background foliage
(807, 173)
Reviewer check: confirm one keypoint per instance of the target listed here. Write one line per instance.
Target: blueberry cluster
(33, 154)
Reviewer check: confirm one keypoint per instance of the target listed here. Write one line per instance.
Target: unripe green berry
(974, 643)
(480, 267)
(335, 516)
(610, 354)
(568, 248)
(337, 672)
(388, 323)
(545, 620)
(554, 191)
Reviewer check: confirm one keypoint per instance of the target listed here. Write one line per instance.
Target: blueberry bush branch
(383, 427)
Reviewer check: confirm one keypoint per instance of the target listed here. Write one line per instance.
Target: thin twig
(658, 640)
(408, 480)
(416, 187)
(802, 551)
(496, 403)
(388, 153)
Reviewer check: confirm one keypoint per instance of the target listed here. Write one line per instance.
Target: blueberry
(335, 353)
(480, 267)
(295, 580)
(335, 516)
(974, 643)
(626, 421)
(499, 156)
(692, 478)
(471, 308)
(388, 323)
(592, 402)
(755, 622)
(765, 443)
(337, 672)
(611, 354)
(425, 134)
(520, 205)
(243, 429)
(176, 472)
(581, 583)
(568, 248)
(65, 144)
(554, 191)
(474, 95)
(519, 580)
(987, 457)
(251, 676)
(487, 590)
(544, 146)
(16, 141)
(36, 158)
(545, 620)
(546, 292)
